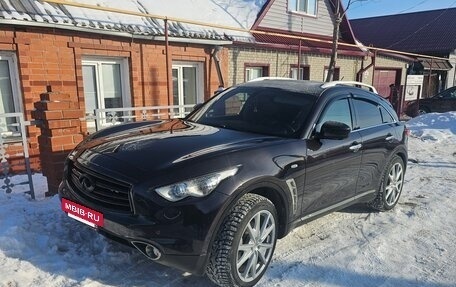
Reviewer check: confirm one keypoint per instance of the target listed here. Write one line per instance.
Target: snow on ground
(412, 245)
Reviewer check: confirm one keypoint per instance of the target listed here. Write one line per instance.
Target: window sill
(303, 14)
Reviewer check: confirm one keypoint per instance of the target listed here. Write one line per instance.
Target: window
(187, 84)
(278, 112)
(448, 94)
(386, 117)
(367, 114)
(336, 76)
(338, 111)
(9, 90)
(303, 70)
(10, 101)
(106, 84)
(303, 6)
(253, 72)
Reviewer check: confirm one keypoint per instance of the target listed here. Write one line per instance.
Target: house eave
(295, 48)
(159, 38)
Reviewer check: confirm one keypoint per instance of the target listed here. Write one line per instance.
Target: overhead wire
(421, 28)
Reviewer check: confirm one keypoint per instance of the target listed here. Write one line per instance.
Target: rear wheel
(244, 246)
(391, 187)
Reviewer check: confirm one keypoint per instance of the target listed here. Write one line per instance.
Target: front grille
(101, 190)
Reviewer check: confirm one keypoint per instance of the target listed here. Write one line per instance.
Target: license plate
(83, 214)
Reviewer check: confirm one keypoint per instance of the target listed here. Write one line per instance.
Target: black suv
(211, 193)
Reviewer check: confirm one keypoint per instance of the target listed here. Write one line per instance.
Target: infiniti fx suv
(212, 192)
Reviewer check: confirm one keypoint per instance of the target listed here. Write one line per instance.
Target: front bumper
(182, 239)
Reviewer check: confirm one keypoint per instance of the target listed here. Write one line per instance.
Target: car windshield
(263, 110)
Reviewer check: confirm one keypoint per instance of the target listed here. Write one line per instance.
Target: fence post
(60, 119)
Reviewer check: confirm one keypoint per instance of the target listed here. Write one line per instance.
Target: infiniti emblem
(87, 183)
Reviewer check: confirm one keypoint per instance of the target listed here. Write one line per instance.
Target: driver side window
(338, 111)
(451, 94)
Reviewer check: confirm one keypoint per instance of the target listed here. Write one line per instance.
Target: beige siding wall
(278, 17)
(387, 63)
(451, 76)
(279, 63)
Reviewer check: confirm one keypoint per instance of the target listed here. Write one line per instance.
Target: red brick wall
(53, 57)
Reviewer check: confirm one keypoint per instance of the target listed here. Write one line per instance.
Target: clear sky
(371, 8)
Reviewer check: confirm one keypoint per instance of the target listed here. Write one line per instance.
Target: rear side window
(338, 111)
(386, 117)
(367, 113)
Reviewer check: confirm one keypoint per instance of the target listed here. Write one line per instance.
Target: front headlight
(197, 187)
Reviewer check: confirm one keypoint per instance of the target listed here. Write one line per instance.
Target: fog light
(171, 213)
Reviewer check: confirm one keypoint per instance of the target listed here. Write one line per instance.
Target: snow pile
(412, 245)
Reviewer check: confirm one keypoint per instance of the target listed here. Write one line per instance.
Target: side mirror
(334, 131)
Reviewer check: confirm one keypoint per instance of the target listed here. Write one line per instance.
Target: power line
(408, 9)
(421, 28)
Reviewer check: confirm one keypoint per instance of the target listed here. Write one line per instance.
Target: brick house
(107, 60)
(87, 59)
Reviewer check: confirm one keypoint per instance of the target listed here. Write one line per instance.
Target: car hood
(159, 145)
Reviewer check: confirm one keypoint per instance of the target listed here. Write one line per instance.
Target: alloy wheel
(394, 184)
(256, 246)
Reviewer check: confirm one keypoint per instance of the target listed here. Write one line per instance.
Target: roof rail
(269, 78)
(354, 83)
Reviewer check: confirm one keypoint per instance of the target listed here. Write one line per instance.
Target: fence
(14, 155)
(15, 171)
(102, 118)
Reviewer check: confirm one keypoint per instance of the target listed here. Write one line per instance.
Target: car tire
(245, 243)
(391, 186)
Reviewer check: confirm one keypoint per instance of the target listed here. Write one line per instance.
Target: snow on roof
(239, 14)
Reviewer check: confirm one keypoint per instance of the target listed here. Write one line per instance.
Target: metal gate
(15, 172)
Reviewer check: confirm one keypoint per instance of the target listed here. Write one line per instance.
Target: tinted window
(264, 110)
(338, 111)
(386, 117)
(367, 113)
(449, 94)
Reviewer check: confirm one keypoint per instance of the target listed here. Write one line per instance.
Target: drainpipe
(359, 75)
(299, 61)
(429, 79)
(168, 89)
(373, 68)
(214, 56)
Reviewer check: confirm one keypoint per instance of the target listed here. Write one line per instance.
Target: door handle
(389, 138)
(355, 147)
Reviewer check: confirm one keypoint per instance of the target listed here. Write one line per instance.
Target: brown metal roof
(294, 43)
(426, 32)
(435, 64)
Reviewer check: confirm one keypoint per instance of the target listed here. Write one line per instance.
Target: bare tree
(339, 14)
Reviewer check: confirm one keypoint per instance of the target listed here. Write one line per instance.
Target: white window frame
(179, 65)
(124, 77)
(14, 77)
(325, 73)
(293, 6)
(97, 62)
(248, 72)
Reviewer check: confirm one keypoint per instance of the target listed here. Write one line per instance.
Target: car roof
(314, 88)
(299, 86)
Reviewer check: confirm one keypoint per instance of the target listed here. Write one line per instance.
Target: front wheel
(245, 243)
(391, 187)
